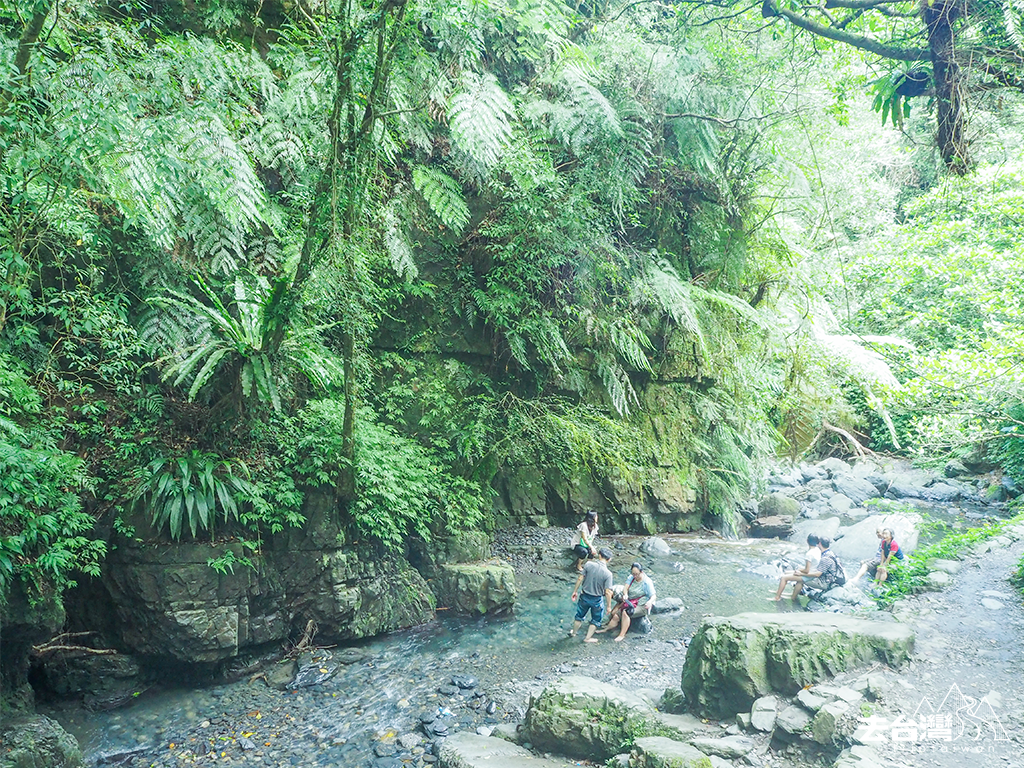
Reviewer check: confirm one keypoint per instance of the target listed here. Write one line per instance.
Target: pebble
(992, 605)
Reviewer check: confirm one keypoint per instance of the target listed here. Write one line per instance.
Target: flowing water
(341, 721)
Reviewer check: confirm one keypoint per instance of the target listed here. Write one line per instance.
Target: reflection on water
(398, 681)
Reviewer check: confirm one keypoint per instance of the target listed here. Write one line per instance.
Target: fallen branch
(59, 643)
(858, 449)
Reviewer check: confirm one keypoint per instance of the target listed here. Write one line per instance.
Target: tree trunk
(939, 17)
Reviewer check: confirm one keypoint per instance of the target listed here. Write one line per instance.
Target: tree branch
(857, 41)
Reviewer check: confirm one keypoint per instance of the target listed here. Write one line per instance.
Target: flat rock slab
(659, 752)
(729, 747)
(471, 750)
(733, 661)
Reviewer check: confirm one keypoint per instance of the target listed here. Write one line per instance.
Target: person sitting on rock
(810, 564)
(596, 596)
(887, 550)
(637, 602)
(829, 572)
(586, 532)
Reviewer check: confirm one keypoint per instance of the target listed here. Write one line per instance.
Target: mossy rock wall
(733, 661)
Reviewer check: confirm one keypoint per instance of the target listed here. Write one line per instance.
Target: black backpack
(839, 579)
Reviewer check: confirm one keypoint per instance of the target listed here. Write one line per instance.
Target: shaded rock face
(659, 502)
(477, 588)
(25, 620)
(733, 661)
(169, 603)
(36, 741)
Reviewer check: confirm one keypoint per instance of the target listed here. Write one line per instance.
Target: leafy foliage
(193, 491)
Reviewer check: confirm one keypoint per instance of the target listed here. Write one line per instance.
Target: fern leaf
(444, 196)
(397, 244)
(480, 116)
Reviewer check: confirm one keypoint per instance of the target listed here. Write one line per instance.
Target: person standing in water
(596, 597)
(583, 546)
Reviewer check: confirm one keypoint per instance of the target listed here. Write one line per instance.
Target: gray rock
(410, 740)
(1010, 486)
(477, 589)
(764, 713)
(991, 604)
(464, 681)
(840, 503)
(672, 701)
(778, 505)
(506, 731)
(729, 747)
(859, 542)
(660, 752)
(859, 756)
(994, 494)
(744, 722)
(471, 750)
(815, 472)
(35, 741)
(954, 468)
(941, 492)
(937, 580)
(773, 527)
(825, 526)
(946, 566)
(656, 546)
(856, 489)
(834, 466)
(900, 489)
(733, 661)
(667, 605)
(793, 719)
(281, 675)
(825, 726)
(810, 701)
(880, 483)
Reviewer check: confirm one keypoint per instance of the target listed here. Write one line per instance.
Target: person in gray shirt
(596, 596)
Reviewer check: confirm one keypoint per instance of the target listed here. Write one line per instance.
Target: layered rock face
(733, 661)
(34, 741)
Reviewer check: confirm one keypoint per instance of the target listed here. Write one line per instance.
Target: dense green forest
(403, 249)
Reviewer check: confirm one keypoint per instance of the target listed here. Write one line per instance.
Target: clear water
(335, 723)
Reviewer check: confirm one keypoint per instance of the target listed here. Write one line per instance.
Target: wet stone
(464, 681)
(448, 690)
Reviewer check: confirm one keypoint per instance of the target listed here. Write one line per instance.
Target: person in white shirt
(811, 560)
(583, 540)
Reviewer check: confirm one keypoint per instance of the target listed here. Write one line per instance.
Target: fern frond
(444, 196)
(1012, 9)
(617, 384)
(397, 244)
(480, 117)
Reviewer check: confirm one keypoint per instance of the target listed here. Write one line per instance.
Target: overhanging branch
(857, 41)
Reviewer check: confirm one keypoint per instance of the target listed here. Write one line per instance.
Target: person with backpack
(829, 571)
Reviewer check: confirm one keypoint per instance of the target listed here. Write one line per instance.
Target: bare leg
(625, 627)
(861, 572)
(590, 634)
(797, 588)
(613, 621)
(579, 564)
(786, 578)
(575, 628)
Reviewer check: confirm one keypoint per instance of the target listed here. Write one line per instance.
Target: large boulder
(586, 718)
(859, 542)
(477, 589)
(471, 750)
(856, 489)
(778, 505)
(35, 741)
(168, 602)
(733, 661)
(774, 527)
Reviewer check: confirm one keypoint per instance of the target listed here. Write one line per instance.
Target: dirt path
(970, 649)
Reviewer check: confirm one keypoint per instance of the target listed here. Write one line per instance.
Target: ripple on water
(339, 721)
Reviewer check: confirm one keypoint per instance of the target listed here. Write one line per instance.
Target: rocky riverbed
(387, 702)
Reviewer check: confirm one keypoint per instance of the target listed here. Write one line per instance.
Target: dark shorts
(594, 604)
(582, 553)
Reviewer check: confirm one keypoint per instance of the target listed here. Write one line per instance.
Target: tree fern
(480, 117)
(396, 242)
(444, 196)
(1012, 11)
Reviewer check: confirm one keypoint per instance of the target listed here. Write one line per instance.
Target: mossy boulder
(476, 589)
(733, 661)
(585, 718)
(35, 741)
(778, 505)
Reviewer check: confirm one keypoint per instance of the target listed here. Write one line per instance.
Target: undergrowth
(911, 575)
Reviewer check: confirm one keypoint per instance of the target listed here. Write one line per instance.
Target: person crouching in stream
(596, 597)
(637, 602)
(583, 546)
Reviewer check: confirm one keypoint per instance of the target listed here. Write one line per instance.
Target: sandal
(572, 633)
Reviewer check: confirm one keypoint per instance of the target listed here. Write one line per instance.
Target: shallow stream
(341, 722)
